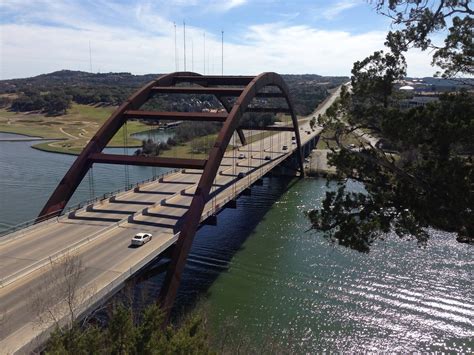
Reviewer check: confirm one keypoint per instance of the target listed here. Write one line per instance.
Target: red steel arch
(245, 88)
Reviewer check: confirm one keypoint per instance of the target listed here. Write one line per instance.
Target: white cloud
(226, 5)
(32, 49)
(145, 43)
(334, 10)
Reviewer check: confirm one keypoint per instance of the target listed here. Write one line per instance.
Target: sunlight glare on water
(303, 292)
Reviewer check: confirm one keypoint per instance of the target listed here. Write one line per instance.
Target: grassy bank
(73, 129)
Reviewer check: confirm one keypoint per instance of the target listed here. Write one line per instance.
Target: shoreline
(37, 147)
(31, 138)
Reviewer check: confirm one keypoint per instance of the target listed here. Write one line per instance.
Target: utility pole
(90, 57)
(192, 54)
(175, 49)
(204, 53)
(222, 53)
(184, 40)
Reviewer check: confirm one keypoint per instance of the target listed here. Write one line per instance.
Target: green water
(292, 288)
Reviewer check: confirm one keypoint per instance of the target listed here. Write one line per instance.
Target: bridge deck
(101, 234)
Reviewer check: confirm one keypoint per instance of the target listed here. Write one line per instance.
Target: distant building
(417, 101)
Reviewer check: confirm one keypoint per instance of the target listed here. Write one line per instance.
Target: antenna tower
(175, 49)
(222, 53)
(90, 57)
(184, 41)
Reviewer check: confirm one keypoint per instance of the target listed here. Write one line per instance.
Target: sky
(289, 37)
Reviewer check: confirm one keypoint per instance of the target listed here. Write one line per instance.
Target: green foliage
(427, 178)
(124, 336)
(151, 148)
(257, 119)
(52, 103)
(56, 103)
(426, 183)
(28, 102)
(89, 340)
(456, 56)
(121, 332)
(418, 20)
(372, 79)
(189, 130)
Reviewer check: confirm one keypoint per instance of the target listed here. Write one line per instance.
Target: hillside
(113, 88)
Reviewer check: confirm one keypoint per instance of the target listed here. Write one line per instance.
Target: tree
(28, 101)
(124, 336)
(428, 178)
(59, 297)
(419, 19)
(56, 103)
(121, 331)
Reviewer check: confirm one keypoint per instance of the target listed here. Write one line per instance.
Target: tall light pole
(204, 54)
(184, 40)
(175, 49)
(90, 57)
(192, 54)
(222, 53)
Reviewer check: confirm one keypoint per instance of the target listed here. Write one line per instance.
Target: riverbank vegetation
(127, 332)
(429, 180)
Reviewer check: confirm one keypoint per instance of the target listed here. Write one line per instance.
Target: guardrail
(23, 227)
(49, 259)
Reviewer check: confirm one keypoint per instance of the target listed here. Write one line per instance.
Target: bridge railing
(23, 227)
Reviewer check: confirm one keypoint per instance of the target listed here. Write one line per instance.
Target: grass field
(73, 129)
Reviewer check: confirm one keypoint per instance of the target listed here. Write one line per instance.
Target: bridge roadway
(100, 235)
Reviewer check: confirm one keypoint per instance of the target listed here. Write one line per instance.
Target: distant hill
(81, 87)
(80, 78)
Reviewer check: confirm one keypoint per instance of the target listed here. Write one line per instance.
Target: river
(264, 276)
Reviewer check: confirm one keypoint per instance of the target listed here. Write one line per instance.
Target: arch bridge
(172, 206)
(244, 88)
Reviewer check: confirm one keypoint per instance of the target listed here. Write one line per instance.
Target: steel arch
(252, 87)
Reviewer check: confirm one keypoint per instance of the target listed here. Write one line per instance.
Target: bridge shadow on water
(212, 251)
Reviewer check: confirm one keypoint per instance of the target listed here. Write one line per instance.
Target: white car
(141, 238)
(241, 156)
